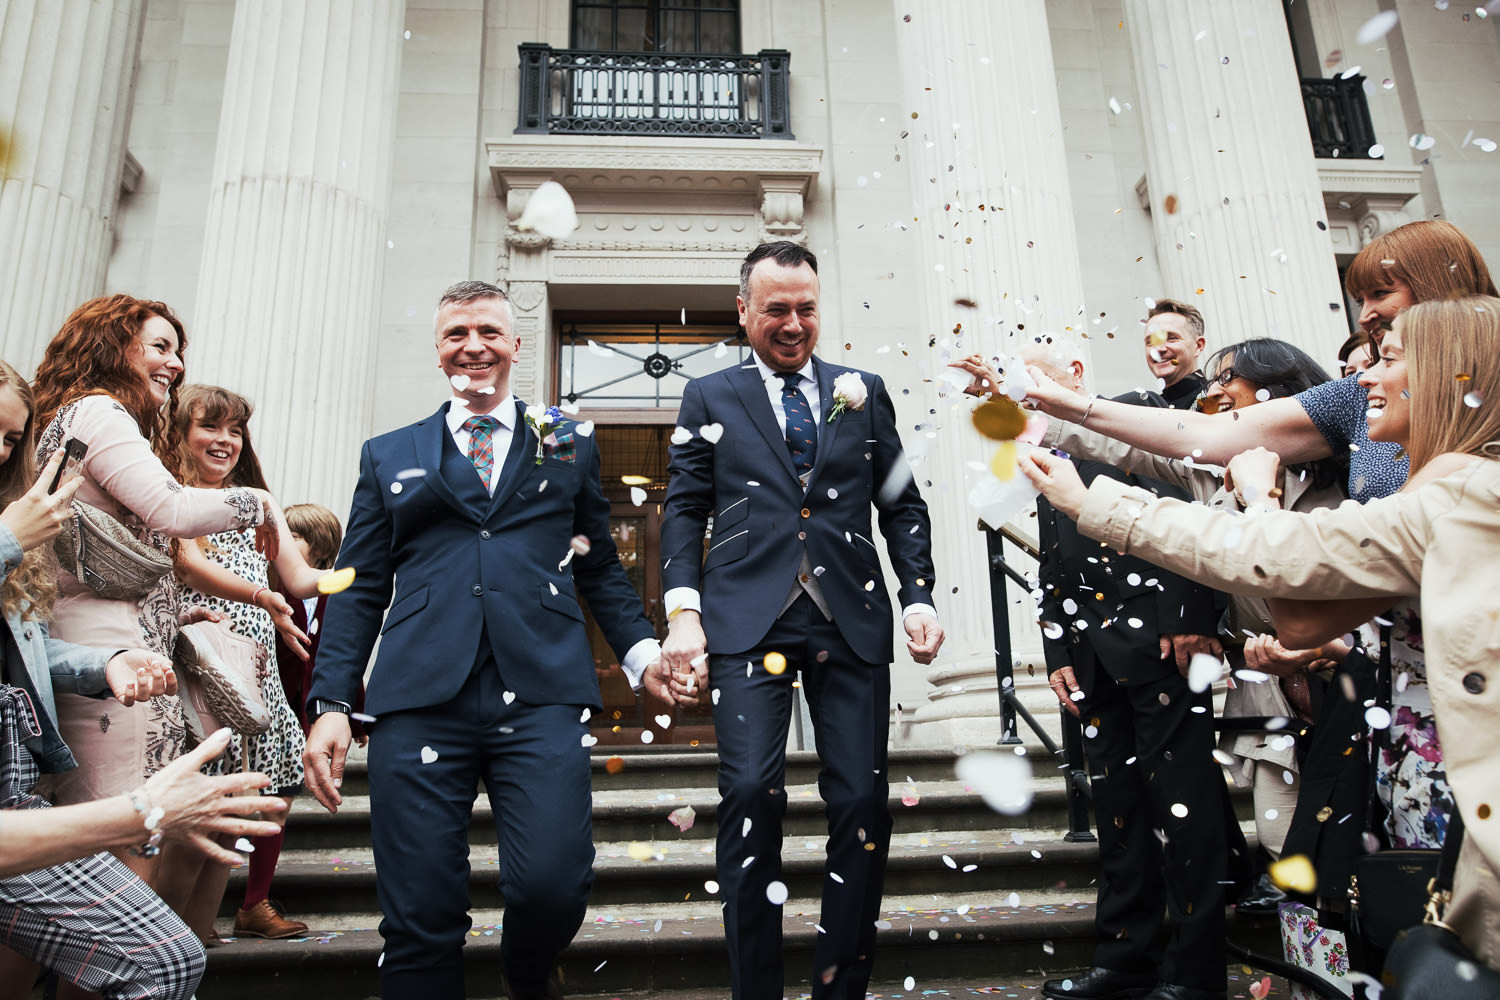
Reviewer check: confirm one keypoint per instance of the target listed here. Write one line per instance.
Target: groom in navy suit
(484, 669)
(787, 455)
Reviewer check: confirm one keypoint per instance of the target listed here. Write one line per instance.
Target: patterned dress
(278, 751)
(118, 747)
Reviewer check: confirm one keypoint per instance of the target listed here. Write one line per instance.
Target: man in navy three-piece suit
(484, 670)
(787, 455)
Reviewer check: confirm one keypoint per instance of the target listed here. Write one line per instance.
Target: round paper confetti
(776, 893)
(337, 581)
(775, 663)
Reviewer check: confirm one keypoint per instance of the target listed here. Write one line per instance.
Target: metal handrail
(590, 92)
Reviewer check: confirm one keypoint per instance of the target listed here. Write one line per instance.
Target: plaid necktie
(482, 445)
(801, 428)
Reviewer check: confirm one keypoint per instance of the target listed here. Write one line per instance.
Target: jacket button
(806, 512)
(1474, 683)
(801, 536)
(804, 578)
(27, 634)
(478, 590)
(484, 533)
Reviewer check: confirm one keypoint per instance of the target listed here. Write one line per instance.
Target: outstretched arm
(1281, 425)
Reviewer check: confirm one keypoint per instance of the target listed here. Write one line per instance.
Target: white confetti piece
(411, 473)
(244, 846)
(589, 739)
(1179, 810)
(459, 382)
(585, 429)
(1003, 780)
(909, 982)
(429, 755)
(396, 487)
(681, 435)
(711, 432)
(711, 887)
(776, 893)
(549, 211)
(1376, 28)
(1377, 717)
(1203, 670)
(637, 495)
(510, 696)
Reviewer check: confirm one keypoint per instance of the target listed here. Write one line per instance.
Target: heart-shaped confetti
(459, 382)
(429, 755)
(508, 697)
(244, 846)
(637, 495)
(664, 721)
(711, 432)
(681, 435)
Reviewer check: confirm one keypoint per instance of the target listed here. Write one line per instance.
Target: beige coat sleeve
(1080, 442)
(1352, 550)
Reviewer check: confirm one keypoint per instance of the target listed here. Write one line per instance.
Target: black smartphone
(72, 465)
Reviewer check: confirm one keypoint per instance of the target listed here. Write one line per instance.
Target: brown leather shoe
(262, 921)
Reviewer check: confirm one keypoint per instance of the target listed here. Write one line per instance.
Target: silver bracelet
(151, 817)
(1090, 409)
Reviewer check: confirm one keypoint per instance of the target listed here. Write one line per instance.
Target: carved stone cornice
(1367, 197)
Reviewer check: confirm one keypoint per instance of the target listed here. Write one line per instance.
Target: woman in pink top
(106, 380)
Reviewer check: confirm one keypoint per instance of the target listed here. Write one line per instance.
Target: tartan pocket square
(563, 447)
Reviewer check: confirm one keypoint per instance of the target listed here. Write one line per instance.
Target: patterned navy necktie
(801, 428)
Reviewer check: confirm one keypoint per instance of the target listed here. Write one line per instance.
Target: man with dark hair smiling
(1174, 340)
(787, 455)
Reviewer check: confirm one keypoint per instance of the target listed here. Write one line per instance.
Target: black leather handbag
(1428, 961)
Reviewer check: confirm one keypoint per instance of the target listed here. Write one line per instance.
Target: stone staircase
(970, 894)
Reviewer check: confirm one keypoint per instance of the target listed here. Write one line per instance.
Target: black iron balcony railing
(1338, 117)
(573, 92)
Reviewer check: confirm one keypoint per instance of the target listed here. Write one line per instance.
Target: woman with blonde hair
(1433, 393)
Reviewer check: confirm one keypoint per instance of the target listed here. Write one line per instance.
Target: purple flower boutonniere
(544, 426)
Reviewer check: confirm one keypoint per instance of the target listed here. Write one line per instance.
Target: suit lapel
(519, 460)
(747, 384)
(826, 431)
(430, 435)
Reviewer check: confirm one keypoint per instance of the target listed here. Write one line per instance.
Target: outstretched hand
(1057, 479)
(197, 808)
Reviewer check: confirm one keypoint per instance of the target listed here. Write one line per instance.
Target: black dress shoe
(1100, 984)
(551, 990)
(1167, 991)
(1262, 897)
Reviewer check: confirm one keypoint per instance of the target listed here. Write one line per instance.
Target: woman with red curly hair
(106, 380)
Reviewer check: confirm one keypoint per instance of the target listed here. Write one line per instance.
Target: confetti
(429, 755)
(549, 211)
(1474, 400)
(1376, 28)
(776, 893)
(775, 663)
(1203, 670)
(681, 435)
(244, 846)
(683, 819)
(637, 495)
(1003, 780)
(640, 852)
(711, 432)
(337, 581)
(459, 382)
(909, 982)
(1295, 873)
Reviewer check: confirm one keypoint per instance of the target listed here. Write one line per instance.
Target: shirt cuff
(917, 609)
(682, 599)
(640, 656)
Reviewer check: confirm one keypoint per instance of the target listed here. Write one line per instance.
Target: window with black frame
(644, 365)
(685, 26)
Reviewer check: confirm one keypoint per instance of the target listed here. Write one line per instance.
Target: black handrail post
(776, 94)
(1080, 792)
(1005, 680)
(536, 76)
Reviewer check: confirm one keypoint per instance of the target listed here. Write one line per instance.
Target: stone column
(295, 241)
(994, 228)
(1241, 229)
(65, 98)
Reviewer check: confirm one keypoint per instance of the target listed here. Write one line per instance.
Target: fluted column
(995, 228)
(293, 252)
(65, 96)
(1233, 185)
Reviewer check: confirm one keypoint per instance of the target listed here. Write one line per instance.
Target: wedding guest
(106, 380)
(1439, 364)
(317, 534)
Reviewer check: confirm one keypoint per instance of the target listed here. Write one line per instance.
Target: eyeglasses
(1226, 376)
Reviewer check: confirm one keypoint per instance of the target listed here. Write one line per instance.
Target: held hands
(37, 516)
(657, 681)
(197, 808)
(137, 675)
(1253, 476)
(1064, 684)
(323, 760)
(1057, 478)
(926, 637)
(684, 655)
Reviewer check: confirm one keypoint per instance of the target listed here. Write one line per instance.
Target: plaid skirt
(92, 921)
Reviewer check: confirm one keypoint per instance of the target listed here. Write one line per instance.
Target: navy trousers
(424, 765)
(849, 700)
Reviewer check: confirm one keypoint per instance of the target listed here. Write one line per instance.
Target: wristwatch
(322, 705)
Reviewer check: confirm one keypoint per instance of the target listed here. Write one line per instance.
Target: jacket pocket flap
(733, 514)
(561, 601)
(404, 608)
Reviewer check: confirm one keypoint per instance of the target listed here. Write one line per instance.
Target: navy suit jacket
(763, 523)
(459, 573)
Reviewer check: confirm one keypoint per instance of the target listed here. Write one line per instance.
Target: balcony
(1338, 117)
(575, 92)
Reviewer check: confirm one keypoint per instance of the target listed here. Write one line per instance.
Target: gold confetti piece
(999, 419)
(775, 663)
(1295, 873)
(337, 581)
(641, 852)
(1003, 465)
(614, 765)
(1170, 204)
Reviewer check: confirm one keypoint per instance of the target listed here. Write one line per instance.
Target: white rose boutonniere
(848, 394)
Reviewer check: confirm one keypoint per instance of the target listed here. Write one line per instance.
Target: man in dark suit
(787, 455)
(1118, 636)
(484, 668)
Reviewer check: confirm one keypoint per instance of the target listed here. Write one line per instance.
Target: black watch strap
(322, 705)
